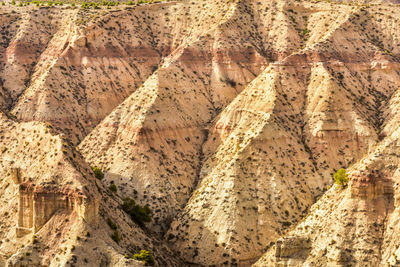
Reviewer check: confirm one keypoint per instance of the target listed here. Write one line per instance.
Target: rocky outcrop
(291, 251)
(2, 260)
(38, 204)
(371, 185)
(347, 226)
(227, 118)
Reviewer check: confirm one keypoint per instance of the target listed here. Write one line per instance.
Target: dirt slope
(227, 118)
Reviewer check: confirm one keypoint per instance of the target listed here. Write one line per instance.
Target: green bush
(116, 236)
(111, 224)
(113, 188)
(144, 256)
(98, 173)
(85, 5)
(138, 213)
(341, 177)
(305, 32)
(34, 239)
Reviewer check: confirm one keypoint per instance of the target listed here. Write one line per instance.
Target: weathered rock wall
(37, 204)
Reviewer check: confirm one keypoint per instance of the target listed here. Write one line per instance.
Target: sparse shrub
(341, 177)
(305, 32)
(230, 82)
(98, 173)
(138, 213)
(144, 256)
(113, 188)
(111, 224)
(116, 236)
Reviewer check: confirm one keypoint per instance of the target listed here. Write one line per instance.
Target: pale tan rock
(227, 118)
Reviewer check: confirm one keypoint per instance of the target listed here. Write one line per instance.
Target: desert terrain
(199, 133)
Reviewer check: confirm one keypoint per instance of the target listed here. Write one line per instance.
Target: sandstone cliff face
(365, 218)
(53, 212)
(41, 178)
(194, 83)
(36, 206)
(356, 225)
(226, 118)
(103, 61)
(307, 108)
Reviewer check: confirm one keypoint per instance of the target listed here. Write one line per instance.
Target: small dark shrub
(111, 224)
(116, 236)
(113, 188)
(98, 173)
(231, 82)
(138, 213)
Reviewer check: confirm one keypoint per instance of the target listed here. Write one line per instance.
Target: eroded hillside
(226, 118)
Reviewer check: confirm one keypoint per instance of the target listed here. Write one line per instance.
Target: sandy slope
(227, 118)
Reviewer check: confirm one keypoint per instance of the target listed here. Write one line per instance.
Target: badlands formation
(227, 118)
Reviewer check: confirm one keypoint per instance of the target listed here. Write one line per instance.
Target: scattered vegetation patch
(98, 173)
(111, 224)
(84, 5)
(140, 214)
(230, 82)
(144, 256)
(113, 188)
(116, 236)
(341, 178)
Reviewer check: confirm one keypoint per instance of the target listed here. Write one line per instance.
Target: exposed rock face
(348, 226)
(37, 205)
(292, 250)
(227, 118)
(51, 206)
(2, 261)
(371, 186)
(195, 82)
